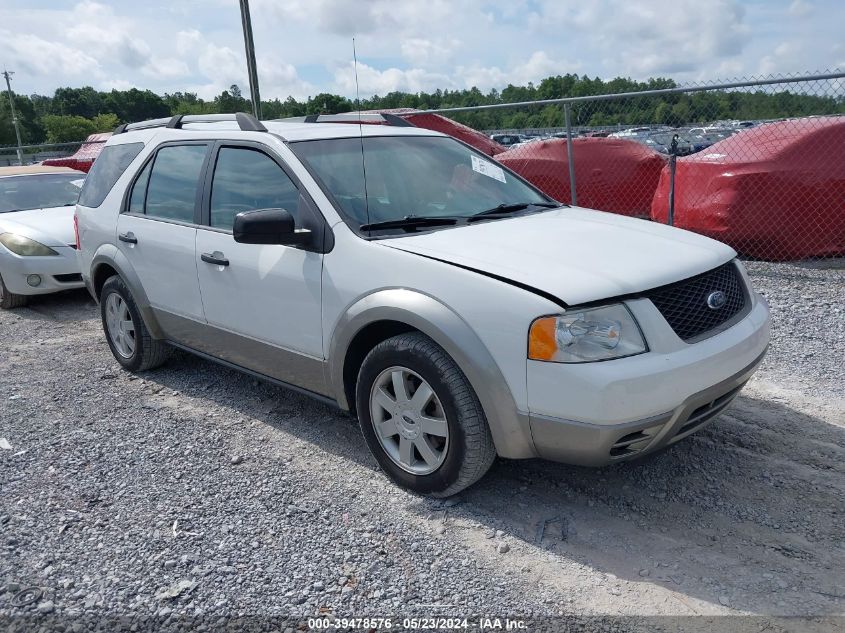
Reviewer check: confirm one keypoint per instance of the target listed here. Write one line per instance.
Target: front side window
(387, 178)
(39, 191)
(246, 180)
(173, 182)
(109, 166)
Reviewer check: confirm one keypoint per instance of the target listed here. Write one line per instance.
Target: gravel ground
(195, 491)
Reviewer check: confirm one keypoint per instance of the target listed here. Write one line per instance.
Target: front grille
(685, 307)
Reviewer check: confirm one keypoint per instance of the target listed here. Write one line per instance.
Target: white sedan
(37, 242)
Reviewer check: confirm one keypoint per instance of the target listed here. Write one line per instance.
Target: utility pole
(249, 45)
(8, 76)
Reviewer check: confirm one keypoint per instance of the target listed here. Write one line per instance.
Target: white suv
(404, 276)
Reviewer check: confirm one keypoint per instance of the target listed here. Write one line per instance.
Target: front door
(262, 302)
(157, 233)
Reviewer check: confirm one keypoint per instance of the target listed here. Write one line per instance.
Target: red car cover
(84, 156)
(611, 174)
(776, 191)
(457, 130)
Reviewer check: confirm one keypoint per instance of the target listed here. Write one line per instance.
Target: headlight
(586, 335)
(21, 245)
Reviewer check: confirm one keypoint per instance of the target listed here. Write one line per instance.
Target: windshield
(39, 191)
(410, 176)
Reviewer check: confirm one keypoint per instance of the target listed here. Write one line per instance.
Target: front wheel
(127, 335)
(9, 300)
(421, 418)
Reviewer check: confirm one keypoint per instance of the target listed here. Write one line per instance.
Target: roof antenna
(360, 129)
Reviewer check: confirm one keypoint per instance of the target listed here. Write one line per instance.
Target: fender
(509, 427)
(109, 254)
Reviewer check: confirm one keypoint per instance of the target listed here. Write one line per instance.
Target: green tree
(325, 103)
(105, 122)
(63, 128)
(28, 121)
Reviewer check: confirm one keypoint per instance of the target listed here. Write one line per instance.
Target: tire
(451, 463)
(9, 300)
(136, 350)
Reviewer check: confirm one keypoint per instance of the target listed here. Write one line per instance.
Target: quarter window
(139, 190)
(245, 180)
(109, 166)
(173, 183)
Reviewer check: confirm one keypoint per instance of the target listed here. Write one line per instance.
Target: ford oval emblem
(716, 300)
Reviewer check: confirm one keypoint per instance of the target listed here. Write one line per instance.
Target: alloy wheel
(120, 325)
(409, 420)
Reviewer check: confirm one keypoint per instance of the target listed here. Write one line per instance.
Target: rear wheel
(421, 418)
(9, 300)
(128, 338)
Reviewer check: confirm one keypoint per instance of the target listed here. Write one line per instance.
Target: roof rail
(354, 117)
(246, 122)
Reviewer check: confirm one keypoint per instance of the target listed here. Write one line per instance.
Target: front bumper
(597, 413)
(597, 445)
(57, 272)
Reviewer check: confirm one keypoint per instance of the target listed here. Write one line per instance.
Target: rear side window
(173, 183)
(245, 180)
(109, 166)
(139, 190)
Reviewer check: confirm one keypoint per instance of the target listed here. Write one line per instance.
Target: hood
(51, 227)
(576, 255)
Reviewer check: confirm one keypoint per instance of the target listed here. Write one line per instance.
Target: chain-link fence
(77, 155)
(758, 164)
(755, 163)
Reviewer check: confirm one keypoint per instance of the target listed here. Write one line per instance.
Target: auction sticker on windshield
(488, 169)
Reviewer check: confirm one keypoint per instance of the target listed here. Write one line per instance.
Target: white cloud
(305, 46)
(30, 54)
(373, 81)
(420, 51)
(165, 68)
(800, 8)
(96, 27)
(647, 38)
(188, 42)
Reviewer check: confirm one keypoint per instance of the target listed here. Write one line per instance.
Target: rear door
(262, 302)
(157, 232)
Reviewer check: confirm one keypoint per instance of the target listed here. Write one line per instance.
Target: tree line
(70, 114)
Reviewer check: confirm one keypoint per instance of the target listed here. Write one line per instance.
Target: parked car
(717, 133)
(37, 245)
(85, 156)
(506, 140)
(775, 191)
(404, 276)
(612, 174)
(632, 132)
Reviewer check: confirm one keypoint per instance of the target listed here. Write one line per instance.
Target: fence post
(673, 159)
(567, 109)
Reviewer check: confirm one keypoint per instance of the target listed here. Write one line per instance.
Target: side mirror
(269, 226)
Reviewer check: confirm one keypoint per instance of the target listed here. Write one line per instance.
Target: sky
(304, 47)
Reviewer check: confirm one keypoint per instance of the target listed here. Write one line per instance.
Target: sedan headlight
(21, 245)
(585, 335)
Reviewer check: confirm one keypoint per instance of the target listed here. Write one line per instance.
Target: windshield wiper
(506, 209)
(411, 222)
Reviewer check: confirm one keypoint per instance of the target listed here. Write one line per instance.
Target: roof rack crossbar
(246, 122)
(393, 120)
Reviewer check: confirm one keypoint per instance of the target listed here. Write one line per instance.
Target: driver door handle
(215, 258)
(129, 237)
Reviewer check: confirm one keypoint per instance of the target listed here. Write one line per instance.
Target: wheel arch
(388, 312)
(109, 261)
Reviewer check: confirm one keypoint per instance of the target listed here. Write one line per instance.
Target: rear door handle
(129, 238)
(215, 258)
